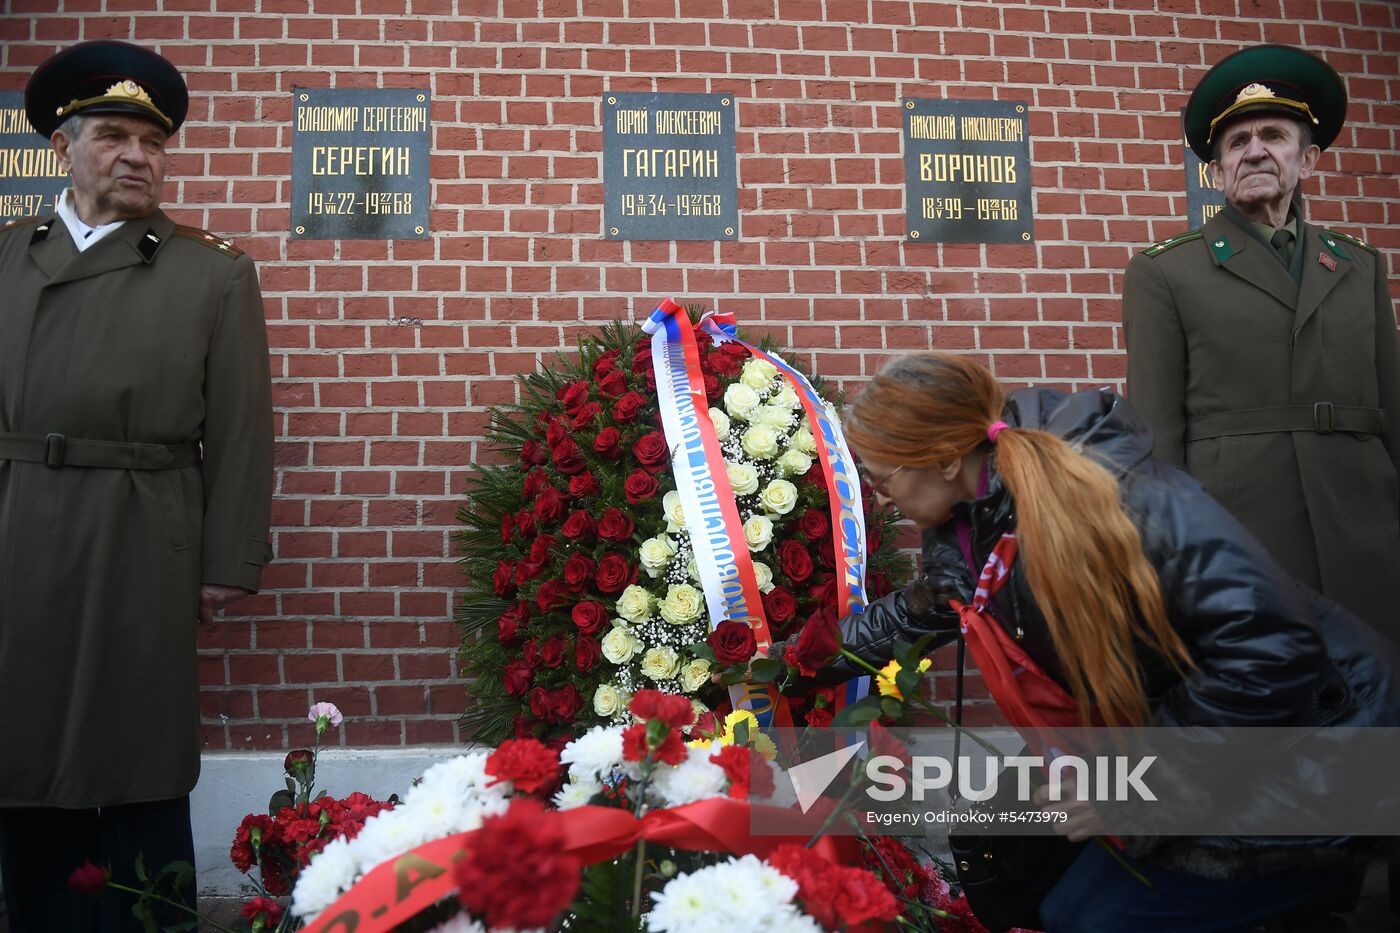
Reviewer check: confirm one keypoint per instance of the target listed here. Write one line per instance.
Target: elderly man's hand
(213, 597)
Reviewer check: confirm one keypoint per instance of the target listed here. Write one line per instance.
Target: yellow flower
(757, 740)
(890, 671)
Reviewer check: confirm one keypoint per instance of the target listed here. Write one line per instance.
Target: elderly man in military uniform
(1262, 349)
(135, 486)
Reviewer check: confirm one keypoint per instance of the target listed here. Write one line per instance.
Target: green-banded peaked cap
(1266, 79)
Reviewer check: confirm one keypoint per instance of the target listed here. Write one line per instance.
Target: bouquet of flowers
(583, 585)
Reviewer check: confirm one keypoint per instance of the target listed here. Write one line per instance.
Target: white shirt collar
(83, 234)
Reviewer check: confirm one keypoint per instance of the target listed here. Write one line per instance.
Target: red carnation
(88, 878)
(615, 526)
(779, 605)
(578, 570)
(669, 708)
(612, 385)
(794, 560)
(587, 651)
(813, 524)
(608, 444)
(671, 751)
(818, 644)
(503, 581)
(517, 872)
(262, 912)
(615, 574)
(651, 451)
(625, 408)
(552, 651)
(640, 486)
(526, 763)
(748, 773)
(733, 642)
(532, 453)
(256, 831)
(819, 717)
(578, 525)
(516, 677)
(573, 395)
(589, 615)
(584, 484)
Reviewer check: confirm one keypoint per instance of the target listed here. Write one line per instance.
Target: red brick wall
(378, 422)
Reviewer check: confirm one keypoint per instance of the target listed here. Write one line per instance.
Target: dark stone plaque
(360, 164)
(669, 168)
(967, 171)
(1203, 201)
(30, 179)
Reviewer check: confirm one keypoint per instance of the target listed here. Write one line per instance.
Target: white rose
(721, 422)
(757, 374)
(656, 554)
(682, 605)
(739, 400)
(763, 574)
(620, 645)
(694, 674)
(634, 604)
(742, 477)
(671, 508)
(608, 700)
(786, 397)
(779, 496)
(803, 440)
(773, 416)
(794, 463)
(761, 442)
(660, 663)
(758, 531)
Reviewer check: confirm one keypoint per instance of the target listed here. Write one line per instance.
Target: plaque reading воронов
(30, 178)
(967, 171)
(1203, 199)
(669, 168)
(360, 164)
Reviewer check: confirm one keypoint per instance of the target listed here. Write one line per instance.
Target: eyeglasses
(881, 486)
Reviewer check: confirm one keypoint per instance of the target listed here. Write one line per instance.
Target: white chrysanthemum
(576, 794)
(389, 834)
(774, 416)
(760, 442)
(620, 645)
(763, 575)
(696, 778)
(671, 507)
(786, 397)
(794, 462)
(682, 906)
(739, 894)
(779, 497)
(694, 674)
(441, 806)
(683, 604)
(635, 604)
(463, 775)
(655, 554)
(594, 754)
(757, 373)
(330, 872)
(803, 440)
(608, 700)
(740, 400)
(660, 663)
(758, 531)
(742, 477)
(721, 423)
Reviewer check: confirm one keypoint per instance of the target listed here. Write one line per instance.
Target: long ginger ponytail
(1083, 557)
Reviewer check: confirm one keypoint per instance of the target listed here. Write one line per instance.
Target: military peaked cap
(105, 76)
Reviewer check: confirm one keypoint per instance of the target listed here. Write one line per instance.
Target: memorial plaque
(967, 171)
(360, 164)
(669, 168)
(1203, 201)
(30, 179)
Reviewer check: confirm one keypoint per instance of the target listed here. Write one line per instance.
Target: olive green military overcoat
(1282, 398)
(155, 336)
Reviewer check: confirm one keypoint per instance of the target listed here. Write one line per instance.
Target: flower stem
(143, 895)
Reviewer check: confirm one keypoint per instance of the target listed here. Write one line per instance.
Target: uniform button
(1219, 243)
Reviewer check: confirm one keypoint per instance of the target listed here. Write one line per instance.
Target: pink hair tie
(996, 428)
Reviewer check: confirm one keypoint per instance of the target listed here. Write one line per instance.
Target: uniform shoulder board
(1348, 239)
(20, 221)
(208, 239)
(1158, 249)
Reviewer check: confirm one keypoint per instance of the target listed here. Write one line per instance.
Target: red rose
(555, 431)
(531, 653)
(725, 364)
(625, 408)
(532, 454)
(535, 480)
(607, 444)
(525, 522)
(88, 878)
(578, 525)
(518, 873)
(605, 364)
(588, 615)
(669, 708)
(507, 528)
(523, 726)
(516, 677)
(813, 524)
(779, 605)
(508, 625)
(503, 581)
(540, 548)
(794, 560)
(565, 703)
(584, 485)
(551, 505)
(706, 726)
(815, 477)
(879, 583)
(539, 703)
(640, 486)
(651, 451)
(615, 526)
(585, 415)
(526, 763)
(578, 570)
(818, 644)
(587, 651)
(615, 574)
(573, 395)
(641, 360)
(733, 642)
(612, 385)
(711, 386)
(567, 457)
(825, 594)
(549, 595)
(552, 651)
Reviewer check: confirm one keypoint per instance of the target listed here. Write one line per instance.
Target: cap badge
(1254, 91)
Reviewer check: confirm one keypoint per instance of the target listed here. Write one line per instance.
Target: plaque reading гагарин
(669, 170)
(31, 180)
(967, 171)
(360, 164)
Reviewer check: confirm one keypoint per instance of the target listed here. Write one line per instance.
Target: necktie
(1282, 240)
